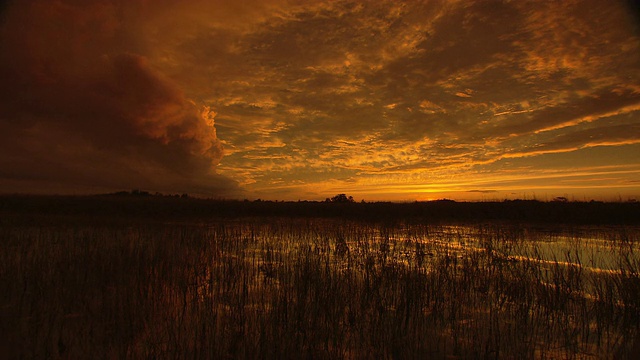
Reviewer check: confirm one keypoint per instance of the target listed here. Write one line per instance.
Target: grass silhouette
(115, 278)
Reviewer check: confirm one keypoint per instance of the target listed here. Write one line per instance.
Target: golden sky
(382, 100)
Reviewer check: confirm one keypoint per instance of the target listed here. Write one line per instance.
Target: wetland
(121, 277)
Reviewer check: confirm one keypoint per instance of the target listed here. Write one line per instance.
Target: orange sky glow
(301, 100)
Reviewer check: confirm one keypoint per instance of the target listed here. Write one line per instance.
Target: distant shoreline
(182, 207)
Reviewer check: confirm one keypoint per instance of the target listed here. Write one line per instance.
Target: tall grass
(316, 288)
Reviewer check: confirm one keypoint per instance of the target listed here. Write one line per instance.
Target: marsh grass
(313, 288)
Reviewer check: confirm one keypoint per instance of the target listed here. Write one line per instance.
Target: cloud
(313, 95)
(611, 135)
(84, 108)
(467, 81)
(574, 111)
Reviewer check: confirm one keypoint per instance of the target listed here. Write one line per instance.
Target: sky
(302, 100)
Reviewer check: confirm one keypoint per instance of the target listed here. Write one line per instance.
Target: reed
(312, 287)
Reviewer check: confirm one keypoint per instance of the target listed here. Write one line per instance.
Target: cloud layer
(83, 109)
(382, 99)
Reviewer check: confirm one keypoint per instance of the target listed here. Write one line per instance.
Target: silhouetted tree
(138, 192)
(342, 198)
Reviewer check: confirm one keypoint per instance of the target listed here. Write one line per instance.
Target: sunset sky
(381, 100)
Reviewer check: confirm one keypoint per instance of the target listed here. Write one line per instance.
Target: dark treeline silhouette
(340, 198)
(174, 208)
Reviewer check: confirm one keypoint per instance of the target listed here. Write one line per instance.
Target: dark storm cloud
(83, 110)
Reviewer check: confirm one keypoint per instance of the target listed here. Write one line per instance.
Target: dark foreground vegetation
(163, 277)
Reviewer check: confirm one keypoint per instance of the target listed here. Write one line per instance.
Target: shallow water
(594, 249)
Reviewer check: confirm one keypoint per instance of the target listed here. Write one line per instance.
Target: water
(594, 249)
